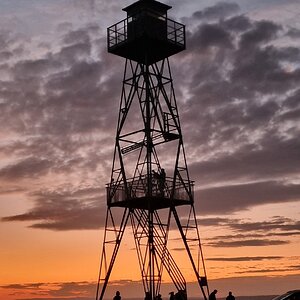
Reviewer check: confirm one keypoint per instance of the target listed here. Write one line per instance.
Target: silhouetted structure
(148, 142)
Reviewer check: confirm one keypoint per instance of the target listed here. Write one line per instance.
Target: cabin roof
(159, 7)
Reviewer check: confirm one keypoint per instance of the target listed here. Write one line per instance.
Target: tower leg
(188, 238)
(113, 234)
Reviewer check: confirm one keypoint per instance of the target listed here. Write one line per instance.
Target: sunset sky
(238, 95)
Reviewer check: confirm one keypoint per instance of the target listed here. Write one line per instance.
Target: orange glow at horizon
(57, 256)
(35, 255)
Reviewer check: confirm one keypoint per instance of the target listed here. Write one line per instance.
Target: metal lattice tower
(149, 179)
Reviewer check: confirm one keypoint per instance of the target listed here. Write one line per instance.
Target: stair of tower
(163, 252)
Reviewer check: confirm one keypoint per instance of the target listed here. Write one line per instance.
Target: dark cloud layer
(275, 231)
(240, 118)
(247, 243)
(229, 198)
(245, 258)
(64, 210)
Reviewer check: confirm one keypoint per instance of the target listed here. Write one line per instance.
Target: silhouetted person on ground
(212, 295)
(158, 297)
(147, 296)
(118, 296)
(230, 296)
(172, 296)
(180, 295)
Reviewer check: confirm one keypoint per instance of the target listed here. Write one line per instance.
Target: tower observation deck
(149, 180)
(146, 35)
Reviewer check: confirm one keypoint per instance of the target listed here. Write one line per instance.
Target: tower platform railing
(132, 28)
(161, 192)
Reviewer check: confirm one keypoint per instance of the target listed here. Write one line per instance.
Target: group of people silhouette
(178, 296)
(212, 296)
(160, 178)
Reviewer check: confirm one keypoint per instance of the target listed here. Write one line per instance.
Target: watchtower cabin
(146, 35)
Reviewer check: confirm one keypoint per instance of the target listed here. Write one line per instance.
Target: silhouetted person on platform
(230, 296)
(161, 179)
(118, 296)
(212, 295)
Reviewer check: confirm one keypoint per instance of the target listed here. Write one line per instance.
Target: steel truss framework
(148, 142)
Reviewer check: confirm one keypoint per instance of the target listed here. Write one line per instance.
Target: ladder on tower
(160, 244)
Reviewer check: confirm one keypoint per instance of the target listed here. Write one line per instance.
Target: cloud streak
(64, 210)
(272, 232)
